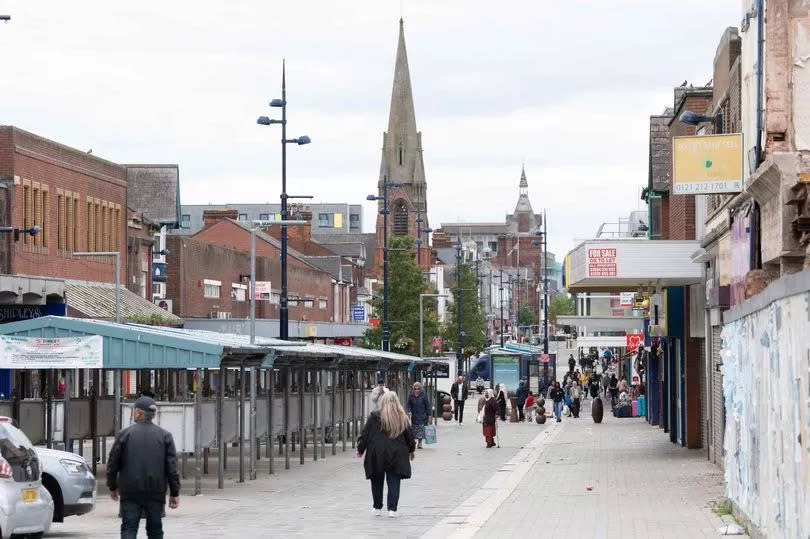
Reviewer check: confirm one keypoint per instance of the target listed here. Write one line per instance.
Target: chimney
(295, 232)
(211, 217)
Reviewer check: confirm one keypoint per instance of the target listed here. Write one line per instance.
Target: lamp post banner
(57, 353)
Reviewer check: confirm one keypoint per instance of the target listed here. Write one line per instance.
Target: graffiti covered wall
(766, 385)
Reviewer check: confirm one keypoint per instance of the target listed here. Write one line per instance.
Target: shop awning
(630, 264)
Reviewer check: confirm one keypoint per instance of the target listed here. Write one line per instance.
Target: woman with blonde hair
(389, 447)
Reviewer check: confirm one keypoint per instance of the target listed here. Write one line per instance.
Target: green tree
(526, 316)
(473, 322)
(560, 305)
(405, 283)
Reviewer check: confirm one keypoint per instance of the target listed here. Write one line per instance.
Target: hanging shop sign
(634, 340)
(707, 164)
(57, 353)
(626, 299)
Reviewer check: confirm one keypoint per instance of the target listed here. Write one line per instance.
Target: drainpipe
(760, 47)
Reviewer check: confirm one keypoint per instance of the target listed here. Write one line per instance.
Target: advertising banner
(58, 353)
(506, 370)
(707, 164)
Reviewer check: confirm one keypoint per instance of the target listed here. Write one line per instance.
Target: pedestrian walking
(576, 397)
(459, 391)
(419, 413)
(388, 445)
(572, 363)
(378, 391)
(490, 410)
(502, 396)
(142, 466)
(521, 394)
(529, 407)
(613, 387)
(557, 395)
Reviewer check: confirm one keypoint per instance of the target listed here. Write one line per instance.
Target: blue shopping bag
(430, 434)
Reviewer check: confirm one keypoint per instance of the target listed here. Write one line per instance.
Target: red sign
(436, 343)
(373, 322)
(343, 341)
(601, 262)
(544, 358)
(634, 340)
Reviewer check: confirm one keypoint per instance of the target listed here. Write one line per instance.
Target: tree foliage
(405, 283)
(526, 316)
(560, 305)
(473, 321)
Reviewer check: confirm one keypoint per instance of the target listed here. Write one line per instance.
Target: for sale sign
(602, 262)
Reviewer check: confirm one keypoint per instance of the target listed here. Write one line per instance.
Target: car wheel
(52, 486)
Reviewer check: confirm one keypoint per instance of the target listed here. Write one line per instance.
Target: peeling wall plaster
(766, 384)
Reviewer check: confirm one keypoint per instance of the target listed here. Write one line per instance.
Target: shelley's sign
(51, 353)
(707, 164)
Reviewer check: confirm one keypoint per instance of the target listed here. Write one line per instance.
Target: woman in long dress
(419, 411)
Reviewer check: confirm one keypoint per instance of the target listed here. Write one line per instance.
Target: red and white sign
(544, 358)
(626, 299)
(634, 340)
(602, 262)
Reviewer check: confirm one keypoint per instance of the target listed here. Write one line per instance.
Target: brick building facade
(78, 200)
(220, 253)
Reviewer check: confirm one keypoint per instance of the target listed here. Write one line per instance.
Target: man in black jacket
(521, 394)
(459, 391)
(142, 465)
(557, 395)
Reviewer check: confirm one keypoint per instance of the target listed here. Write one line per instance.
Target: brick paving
(642, 486)
(328, 498)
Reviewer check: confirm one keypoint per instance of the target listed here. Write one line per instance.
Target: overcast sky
(566, 86)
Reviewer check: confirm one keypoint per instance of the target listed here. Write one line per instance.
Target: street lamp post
(264, 120)
(116, 372)
(421, 318)
(460, 331)
(386, 332)
(419, 241)
(500, 294)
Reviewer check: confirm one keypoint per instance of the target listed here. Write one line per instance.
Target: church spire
(402, 118)
(524, 185)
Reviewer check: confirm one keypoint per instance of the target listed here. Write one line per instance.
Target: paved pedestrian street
(535, 485)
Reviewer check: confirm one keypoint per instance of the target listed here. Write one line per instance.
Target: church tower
(402, 162)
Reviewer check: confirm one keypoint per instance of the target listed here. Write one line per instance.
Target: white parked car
(26, 508)
(69, 480)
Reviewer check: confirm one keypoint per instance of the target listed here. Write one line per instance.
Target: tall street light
(116, 372)
(421, 318)
(500, 295)
(544, 243)
(386, 336)
(460, 331)
(264, 120)
(419, 241)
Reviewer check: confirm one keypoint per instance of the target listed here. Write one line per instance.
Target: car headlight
(73, 466)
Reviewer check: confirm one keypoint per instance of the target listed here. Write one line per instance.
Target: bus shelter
(215, 392)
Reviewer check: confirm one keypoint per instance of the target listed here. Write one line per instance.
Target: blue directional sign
(358, 313)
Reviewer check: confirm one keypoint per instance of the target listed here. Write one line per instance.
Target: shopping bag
(430, 434)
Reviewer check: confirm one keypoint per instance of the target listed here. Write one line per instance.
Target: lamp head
(372, 197)
(690, 118)
(427, 230)
(278, 103)
(302, 140)
(34, 230)
(394, 184)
